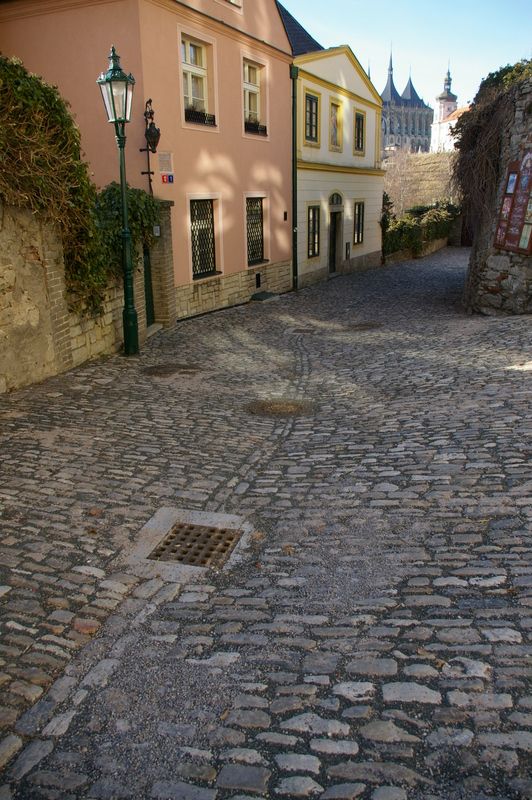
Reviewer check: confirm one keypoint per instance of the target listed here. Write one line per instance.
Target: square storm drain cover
(197, 545)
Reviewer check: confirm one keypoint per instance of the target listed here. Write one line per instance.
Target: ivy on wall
(41, 168)
(478, 135)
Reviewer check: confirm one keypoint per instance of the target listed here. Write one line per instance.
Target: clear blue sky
(476, 37)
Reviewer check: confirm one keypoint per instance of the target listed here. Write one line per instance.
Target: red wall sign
(514, 230)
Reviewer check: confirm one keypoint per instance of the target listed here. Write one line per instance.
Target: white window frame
(192, 70)
(236, 5)
(358, 230)
(251, 89)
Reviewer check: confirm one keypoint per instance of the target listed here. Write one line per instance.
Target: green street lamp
(117, 94)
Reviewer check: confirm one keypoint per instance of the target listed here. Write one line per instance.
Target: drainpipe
(294, 73)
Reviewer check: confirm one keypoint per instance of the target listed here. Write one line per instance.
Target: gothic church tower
(406, 118)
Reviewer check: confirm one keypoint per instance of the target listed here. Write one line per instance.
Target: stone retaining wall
(414, 179)
(39, 335)
(407, 255)
(499, 281)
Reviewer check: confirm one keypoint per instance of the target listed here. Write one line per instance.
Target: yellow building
(339, 177)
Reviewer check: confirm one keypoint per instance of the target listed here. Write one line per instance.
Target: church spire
(447, 82)
(390, 93)
(447, 95)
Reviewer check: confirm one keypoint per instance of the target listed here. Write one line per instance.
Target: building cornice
(318, 166)
(215, 23)
(333, 87)
(19, 9)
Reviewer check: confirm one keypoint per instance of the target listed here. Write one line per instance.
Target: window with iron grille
(255, 230)
(360, 138)
(202, 236)
(313, 231)
(311, 118)
(358, 235)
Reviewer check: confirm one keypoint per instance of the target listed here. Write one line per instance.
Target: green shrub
(41, 169)
(143, 214)
(403, 234)
(436, 224)
(420, 224)
(417, 211)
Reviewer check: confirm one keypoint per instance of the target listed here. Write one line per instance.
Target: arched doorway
(336, 211)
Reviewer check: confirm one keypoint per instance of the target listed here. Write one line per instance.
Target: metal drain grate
(280, 408)
(167, 370)
(197, 545)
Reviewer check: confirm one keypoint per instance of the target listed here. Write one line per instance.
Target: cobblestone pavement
(372, 640)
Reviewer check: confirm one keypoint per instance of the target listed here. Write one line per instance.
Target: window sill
(206, 275)
(200, 118)
(258, 263)
(255, 129)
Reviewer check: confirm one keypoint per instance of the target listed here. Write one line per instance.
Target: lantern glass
(117, 90)
(107, 100)
(129, 100)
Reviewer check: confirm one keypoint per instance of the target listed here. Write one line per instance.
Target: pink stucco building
(217, 72)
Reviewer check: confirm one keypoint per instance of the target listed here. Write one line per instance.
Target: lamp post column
(129, 314)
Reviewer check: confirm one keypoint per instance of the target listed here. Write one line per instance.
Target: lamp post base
(131, 332)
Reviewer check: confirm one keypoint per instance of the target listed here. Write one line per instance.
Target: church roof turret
(447, 94)
(390, 94)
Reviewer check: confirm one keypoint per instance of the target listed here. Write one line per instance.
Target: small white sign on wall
(165, 162)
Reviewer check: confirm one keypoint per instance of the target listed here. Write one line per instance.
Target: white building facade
(339, 177)
(446, 116)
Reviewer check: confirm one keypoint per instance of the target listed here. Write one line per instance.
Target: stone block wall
(33, 328)
(223, 291)
(39, 335)
(91, 337)
(406, 255)
(499, 281)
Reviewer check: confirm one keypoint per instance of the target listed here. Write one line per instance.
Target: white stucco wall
(315, 188)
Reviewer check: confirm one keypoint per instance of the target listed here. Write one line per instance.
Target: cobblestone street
(370, 640)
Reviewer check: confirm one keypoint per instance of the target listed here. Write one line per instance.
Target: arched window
(335, 199)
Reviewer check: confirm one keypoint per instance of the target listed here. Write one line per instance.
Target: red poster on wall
(514, 229)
